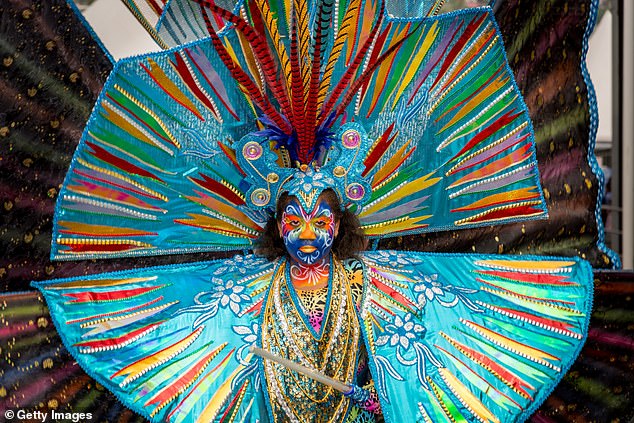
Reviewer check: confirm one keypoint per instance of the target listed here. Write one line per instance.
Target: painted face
(308, 236)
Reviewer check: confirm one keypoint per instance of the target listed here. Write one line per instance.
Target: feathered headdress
(416, 123)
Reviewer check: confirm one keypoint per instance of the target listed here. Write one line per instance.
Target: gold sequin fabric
(333, 352)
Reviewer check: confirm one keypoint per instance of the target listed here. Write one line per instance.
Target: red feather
(247, 85)
(219, 189)
(379, 148)
(297, 90)
(352, 69)
(186, 76)
(119, 295)
(367, 74)
(260, 49)
(227, 106)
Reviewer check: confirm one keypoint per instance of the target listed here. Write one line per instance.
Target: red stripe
(139, 120)
(405, 157)
(180, 384)
(379, 149)
(149, 72)
(511, 379)
(224, 103)
(109, 182)
(528, 297)
(469, 30)
(554, 324)
(507, 212)
(485, 158)
(219, 189)
(123, 294)
(195, 387)
(500, 122)
(118, 162)
(534, 278)
(107, 248)
(186, 76)
(392, 293)
(231, 155)
(119, 340)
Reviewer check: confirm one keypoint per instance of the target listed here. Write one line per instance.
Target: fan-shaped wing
(170, 342)
(481, 338)
(154, 172)
(451, 130)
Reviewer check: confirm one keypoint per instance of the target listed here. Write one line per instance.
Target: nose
(308, 233)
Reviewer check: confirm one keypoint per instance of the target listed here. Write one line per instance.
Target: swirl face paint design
(308, 236)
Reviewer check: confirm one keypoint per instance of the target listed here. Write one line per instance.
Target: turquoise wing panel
(453, 144)
(481, 338)
(154, 172)
(171, 342)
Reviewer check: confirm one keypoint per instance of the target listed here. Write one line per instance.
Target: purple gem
(355, 191)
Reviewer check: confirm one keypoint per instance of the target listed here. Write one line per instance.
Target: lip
(307, 249)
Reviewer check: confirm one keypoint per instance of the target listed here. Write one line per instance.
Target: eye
(321, 223)
(293, 223)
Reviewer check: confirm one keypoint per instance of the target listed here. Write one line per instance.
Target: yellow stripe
(407, 189)
(430, 37)
(520, 265)
(466, 397)
(390, 165)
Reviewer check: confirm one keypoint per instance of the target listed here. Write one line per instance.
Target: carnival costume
(415, 123)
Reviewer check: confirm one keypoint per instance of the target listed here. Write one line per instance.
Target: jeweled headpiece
(416, 124)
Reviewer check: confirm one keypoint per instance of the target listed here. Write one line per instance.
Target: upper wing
(482, 338)
(154, 172)
(453, 142)
(171, 342)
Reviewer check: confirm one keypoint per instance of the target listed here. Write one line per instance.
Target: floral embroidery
(431, 289)
(227, 294)
(393, 258)
(239, 264)
(402, 332)
(407, 337)
(428, 289)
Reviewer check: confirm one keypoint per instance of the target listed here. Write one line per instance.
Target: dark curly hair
(347, 244)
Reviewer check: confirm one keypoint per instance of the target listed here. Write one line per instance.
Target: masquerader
(300, 130)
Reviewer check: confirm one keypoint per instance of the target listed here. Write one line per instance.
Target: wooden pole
(319, 377)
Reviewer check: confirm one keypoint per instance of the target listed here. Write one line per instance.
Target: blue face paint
(308, 236)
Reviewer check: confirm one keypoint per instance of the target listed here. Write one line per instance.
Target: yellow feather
(477, 100)
(344, 30)
(512, 345)
(271, 24)
(395, 225)
(170, 86)
(525, 265)
(142, 366)
(212, 409)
